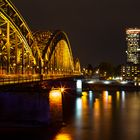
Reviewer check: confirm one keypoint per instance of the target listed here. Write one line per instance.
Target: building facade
(133, 45)
(131, 70)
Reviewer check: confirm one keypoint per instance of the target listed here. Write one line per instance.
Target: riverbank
(110, 87)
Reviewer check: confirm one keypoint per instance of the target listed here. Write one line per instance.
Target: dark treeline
(103, 70)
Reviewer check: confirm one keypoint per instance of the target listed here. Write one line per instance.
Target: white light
(106, 92)
(124, 82)
(90, 95)
(106, 82)
(90, 82)
(118, 78)
(78, 108)
(79, 84)
(123, 95)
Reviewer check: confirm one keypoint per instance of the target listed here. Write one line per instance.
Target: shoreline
(110, 87)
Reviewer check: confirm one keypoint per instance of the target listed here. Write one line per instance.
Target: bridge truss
(25, 53)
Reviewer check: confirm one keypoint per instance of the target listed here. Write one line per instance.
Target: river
(93, 116)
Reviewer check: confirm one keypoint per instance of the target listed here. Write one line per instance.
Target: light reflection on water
(55, 103)
(105, 116)
(94, 116)
(62, 136)
(78, 109)
(123, 96)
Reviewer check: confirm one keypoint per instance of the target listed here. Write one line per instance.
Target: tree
(117, 71)
(106, 70)
(89, 70)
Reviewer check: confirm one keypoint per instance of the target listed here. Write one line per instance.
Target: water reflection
(105, 98)
(94, 116)
(55, 97)
(91, 98)
(118, 95)
(109, 99)
(85, 101)
(55, 103)
(106, 115)
(63, 137)
(78, 108)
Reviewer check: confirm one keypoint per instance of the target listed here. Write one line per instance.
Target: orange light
(55, 94)
(97, 105)
(84, 93)
(105, 96)
(118, 95)
(63, 137)
(62, 89)
(110, 99)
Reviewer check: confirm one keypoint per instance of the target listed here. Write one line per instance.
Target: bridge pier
(79, 87)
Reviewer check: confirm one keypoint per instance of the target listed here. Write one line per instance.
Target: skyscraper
(133, 45)
(131, 70)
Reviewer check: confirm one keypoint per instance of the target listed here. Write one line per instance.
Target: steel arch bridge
(25, 53)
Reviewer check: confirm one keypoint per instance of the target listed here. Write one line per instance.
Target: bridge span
(26, 56)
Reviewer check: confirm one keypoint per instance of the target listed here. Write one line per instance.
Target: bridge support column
(28, 67)
(41, 70)
(79, 87)
(16, 52)
(8, 47)
(0, 61)
(22, 58)
(1, 53)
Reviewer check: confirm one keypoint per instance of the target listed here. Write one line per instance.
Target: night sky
(95, 28)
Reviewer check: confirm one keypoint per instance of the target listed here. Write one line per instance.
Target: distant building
(133, 45)
(131, 70)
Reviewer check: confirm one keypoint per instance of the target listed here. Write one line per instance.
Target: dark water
(94, 116)
(104, 116)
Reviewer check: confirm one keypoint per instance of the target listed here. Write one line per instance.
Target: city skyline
(96, 30)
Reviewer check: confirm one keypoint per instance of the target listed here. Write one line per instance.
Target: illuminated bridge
(26, 55)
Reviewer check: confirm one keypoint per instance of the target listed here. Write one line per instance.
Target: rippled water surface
(104, 116)
(94, 116)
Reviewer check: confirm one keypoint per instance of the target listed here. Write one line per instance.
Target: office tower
(131, 70)
(133, 45)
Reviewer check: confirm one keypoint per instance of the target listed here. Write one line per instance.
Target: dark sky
(96, 28)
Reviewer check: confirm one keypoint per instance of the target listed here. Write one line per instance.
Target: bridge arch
(24, 52)
(56, 52)
(16, 41)
(77, 66)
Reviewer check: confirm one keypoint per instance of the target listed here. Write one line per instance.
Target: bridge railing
(18, 79)
(56, 76)
(13, 79)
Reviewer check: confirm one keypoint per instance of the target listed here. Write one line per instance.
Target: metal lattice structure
(23, 52)
(77, 66)
(15, 41)
(55, 52)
